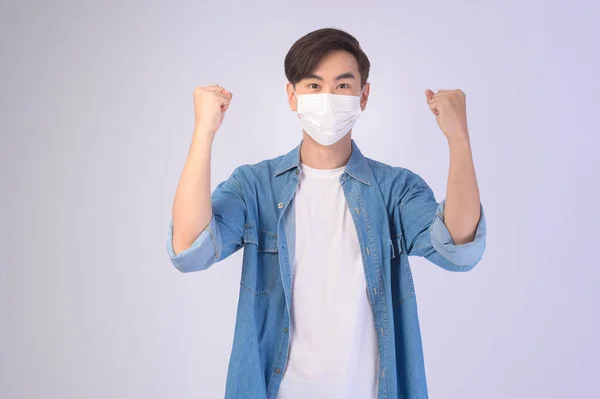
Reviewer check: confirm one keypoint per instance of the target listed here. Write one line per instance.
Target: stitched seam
(422, 245)
(403, 298)
(212, 238)
(274, 235)
(273, 372)
(407, 272)
(379, 277)
(450, 252)
(405, 265)
(266, 291)
(236, 184)
(247, 287)
(420, 185)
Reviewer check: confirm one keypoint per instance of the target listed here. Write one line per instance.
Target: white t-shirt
(333, 342)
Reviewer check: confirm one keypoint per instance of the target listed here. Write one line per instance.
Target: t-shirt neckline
(307, 170)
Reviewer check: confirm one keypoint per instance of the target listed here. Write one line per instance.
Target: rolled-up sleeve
(425, 233)
(224, 234)
(201, 254)
(462, 255)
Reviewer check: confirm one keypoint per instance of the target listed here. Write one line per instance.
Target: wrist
(203, 141)
(203, 134)
(459, 140)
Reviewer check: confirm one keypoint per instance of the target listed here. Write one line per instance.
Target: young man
(327, 304)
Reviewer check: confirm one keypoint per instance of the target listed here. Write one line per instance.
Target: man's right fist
(210, 104)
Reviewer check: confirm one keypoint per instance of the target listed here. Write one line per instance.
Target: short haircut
(306, 53)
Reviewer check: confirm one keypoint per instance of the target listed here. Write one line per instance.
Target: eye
(344, 86)
(313, 86)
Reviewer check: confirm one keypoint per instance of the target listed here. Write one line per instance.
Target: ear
(364, 98)
(292, 100)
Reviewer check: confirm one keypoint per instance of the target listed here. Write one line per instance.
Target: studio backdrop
(96, 117)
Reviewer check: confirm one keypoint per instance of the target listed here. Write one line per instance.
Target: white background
(96, 116)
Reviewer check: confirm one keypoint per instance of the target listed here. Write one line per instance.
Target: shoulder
(398, 184)
(395, 176)
(262, 169)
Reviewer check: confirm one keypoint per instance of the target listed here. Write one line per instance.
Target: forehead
(336, 62)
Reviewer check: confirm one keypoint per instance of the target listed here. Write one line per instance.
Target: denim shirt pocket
(261, 260)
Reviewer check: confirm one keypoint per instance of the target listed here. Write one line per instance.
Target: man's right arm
(192, 207)
(221, 236)
(201, 222)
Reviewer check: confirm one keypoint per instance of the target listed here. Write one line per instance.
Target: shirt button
(297, 171)
(280, 205)
(277, 371)
(285, 330)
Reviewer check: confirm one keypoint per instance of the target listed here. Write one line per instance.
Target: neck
(319, 156)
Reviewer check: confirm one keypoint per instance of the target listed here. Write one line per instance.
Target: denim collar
(357, 167)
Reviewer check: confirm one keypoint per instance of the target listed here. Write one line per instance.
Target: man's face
(337, 73)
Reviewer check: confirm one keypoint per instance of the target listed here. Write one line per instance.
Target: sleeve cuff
(201, 254)
(463, 255)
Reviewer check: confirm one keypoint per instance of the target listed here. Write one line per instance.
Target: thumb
(428, 95)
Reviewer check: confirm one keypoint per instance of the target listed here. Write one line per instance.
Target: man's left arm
(462, 208)
(452, 233)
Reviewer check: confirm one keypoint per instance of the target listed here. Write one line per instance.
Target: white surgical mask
(328, 117)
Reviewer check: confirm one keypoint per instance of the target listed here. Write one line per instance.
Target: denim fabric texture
(395, 215)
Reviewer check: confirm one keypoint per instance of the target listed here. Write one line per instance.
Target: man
(327, 304)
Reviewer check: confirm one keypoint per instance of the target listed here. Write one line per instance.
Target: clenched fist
(450, 110)
(210, 105)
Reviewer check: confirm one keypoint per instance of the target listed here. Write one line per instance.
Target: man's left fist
(450, 110)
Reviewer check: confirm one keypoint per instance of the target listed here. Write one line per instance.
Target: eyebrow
(347, 75)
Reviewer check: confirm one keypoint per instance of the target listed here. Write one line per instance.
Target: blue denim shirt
(395, 215)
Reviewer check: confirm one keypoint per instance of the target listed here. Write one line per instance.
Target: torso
(333, 348)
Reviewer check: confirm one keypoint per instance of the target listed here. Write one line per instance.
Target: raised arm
(192, 206)
(462, 205)
(451, 233)
(205, 228)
